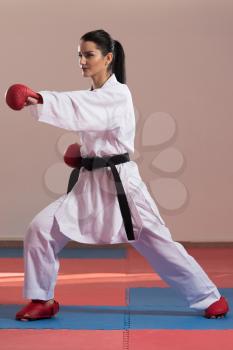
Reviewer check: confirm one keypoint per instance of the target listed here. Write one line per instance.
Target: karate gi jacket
(105, 120)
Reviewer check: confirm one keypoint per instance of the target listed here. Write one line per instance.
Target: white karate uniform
(90, 213)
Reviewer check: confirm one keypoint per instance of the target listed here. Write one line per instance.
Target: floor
(110, 298)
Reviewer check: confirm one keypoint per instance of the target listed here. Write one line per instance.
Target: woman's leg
(42, 243)
(175, 266)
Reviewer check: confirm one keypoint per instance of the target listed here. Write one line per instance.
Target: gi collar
(111, 80)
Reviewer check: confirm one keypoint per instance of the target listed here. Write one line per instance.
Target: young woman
(110, 202)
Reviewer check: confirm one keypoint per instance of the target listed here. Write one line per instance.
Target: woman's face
(92, 59)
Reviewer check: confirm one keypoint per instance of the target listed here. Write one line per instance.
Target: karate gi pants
(43, 241)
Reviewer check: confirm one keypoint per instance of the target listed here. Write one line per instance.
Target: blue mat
(74, 253)
(149, 308)
(69, 317)
(163, 308)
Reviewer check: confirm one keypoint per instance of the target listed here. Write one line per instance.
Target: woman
(110, 202)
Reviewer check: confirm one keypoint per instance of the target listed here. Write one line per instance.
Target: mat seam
(127, 321)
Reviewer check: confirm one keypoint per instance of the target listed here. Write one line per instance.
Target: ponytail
(118, 66)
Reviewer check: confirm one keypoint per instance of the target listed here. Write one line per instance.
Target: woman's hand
(72, 155)
(18, 96)
(31, 101)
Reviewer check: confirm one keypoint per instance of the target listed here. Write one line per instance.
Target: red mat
(116, 340)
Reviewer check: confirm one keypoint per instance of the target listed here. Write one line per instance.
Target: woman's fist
(19, 95)
(72, 156)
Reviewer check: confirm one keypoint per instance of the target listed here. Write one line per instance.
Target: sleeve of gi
(83, 109)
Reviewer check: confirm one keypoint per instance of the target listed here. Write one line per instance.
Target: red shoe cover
(219, 308)
(36, 310)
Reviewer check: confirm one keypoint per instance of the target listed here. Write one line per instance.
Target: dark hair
(105, 43)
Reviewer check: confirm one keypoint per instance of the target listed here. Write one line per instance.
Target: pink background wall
(179, 58)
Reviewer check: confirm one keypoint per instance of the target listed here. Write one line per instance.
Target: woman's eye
(86, 55)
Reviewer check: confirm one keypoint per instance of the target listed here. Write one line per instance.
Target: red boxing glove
(17, 95)
(72, 156)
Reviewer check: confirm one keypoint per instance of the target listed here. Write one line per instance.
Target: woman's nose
(82, 60)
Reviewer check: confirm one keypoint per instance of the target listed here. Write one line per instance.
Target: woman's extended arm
(81, 110)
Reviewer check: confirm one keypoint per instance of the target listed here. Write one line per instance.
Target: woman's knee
(42, 223)
(40, 234)
(35, 234)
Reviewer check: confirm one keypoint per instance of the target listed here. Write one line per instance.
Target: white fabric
(169, 259)
(105, 120)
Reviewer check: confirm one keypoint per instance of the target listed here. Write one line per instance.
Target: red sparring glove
(17, 94)
(72, 156)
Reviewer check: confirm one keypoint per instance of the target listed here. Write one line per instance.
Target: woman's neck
(98, 82)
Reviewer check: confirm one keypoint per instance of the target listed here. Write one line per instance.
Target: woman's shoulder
(124, 88)
(127, 91)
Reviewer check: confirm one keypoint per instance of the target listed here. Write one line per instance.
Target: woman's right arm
(82, 110)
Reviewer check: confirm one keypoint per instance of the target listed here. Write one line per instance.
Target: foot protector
(218, 309)
(37, 309)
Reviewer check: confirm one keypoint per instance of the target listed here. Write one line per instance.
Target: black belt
(91, 163)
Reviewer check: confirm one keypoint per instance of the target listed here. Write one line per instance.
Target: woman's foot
(38, 309)
(218, 309)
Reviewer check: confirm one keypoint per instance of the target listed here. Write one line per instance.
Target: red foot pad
(37, 309)
(219, 308)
